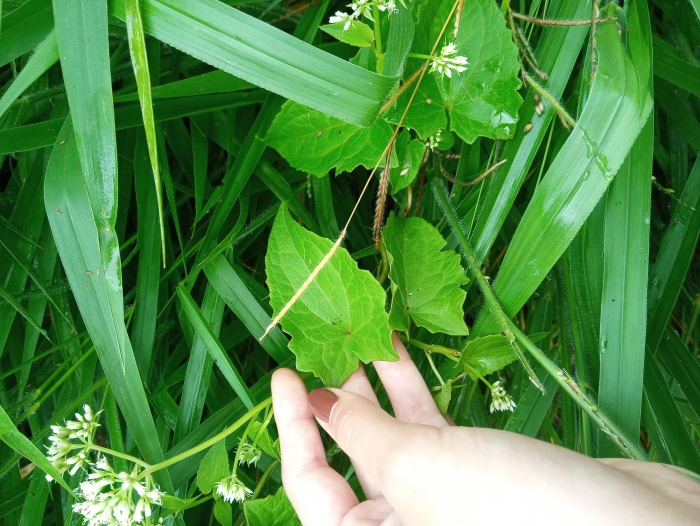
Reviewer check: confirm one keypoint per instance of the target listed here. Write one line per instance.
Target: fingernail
(321, 402)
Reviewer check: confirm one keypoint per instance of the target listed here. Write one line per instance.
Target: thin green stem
(377, 34)
(493, 304)
(263, 479)
(475, 372)
(266, 422)
(95, 447)
(384, 269)
(546, 96)
(237, 458)
(452, 354)
(626, 446)
(421, 56)
(208, 443)
(546, 152)
(36, 405)
(38, 357)
(432, 366)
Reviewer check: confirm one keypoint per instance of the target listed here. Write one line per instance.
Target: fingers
(320, 495)
(410, 397)
(358, 383)
(377, 512)
(373, 439)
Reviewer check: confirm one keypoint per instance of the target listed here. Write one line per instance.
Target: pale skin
(417, 469)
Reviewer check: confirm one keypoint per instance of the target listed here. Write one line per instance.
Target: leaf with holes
(340, 318)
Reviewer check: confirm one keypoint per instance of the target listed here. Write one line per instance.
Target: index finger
(319, 494)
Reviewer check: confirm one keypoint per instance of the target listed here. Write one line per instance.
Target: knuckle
(345, 424)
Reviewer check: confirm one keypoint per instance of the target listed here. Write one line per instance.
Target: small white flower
(342, 17)
(249, 453)
(90, 488)
(500, 400)
(362, 7)
(449, 61)
(434, 140)
(387, 5)
(232, 490)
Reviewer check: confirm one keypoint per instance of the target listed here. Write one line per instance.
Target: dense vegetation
(194, 193)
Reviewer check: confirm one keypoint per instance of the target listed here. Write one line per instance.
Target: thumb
(361, 428)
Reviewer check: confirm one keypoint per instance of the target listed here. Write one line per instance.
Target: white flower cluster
(500, 401)
(63, 453)
(363, 7)
(250, 454)
(449, 61)
(434, 140)
(116, 499)
(232, 490)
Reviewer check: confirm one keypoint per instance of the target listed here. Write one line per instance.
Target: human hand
(416, 469)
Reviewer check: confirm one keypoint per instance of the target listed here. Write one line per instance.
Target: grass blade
(44, 57)
(148, 278)
(261, 54)
(239, 299)
(559, 51)
(199, 368)
(24, 219)
(663, 421)
(97, 288)
(139, 58)
(624, 300)
(17, 441)
(681, 363)
(674, 258)
(579, 175)
(215, 348)
(22, 311)
(24, 28)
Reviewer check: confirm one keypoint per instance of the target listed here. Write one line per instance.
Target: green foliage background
(242, 115)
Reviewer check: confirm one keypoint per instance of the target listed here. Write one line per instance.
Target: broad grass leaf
(262, 54)
(358, 34)
(425, 280)
(316, 143)
(340, 318)
(274, 510)
(481, 101)
(213, 467)
(617, 108)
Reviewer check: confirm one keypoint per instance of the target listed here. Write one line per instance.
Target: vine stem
(626, 446)
(208, 443)
(452, 354)
(560, 23)
(568, 384)
(546, 96)
(95, 447)
(491, 301)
